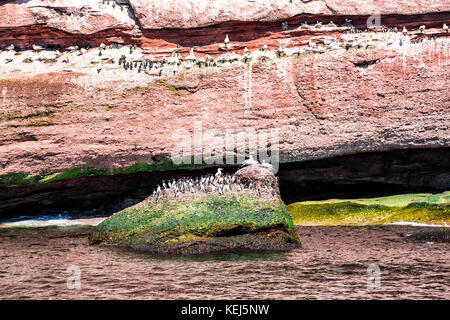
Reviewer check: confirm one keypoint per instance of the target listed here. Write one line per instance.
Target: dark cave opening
(370, 174)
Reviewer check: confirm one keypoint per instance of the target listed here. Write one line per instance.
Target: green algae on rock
(205, 223)
(418, 208)
(24, 179)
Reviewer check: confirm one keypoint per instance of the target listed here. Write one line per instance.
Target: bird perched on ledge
(280, 52)
(422, 28)
(37, 48)
(303, 26)
(191, 56)
(445, 27)
(331, 24)
(226, 42)
(250, 161)
(267, 165)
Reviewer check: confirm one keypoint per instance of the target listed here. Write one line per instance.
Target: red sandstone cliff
(392, 94)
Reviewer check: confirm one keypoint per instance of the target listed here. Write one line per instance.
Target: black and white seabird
(99, 67)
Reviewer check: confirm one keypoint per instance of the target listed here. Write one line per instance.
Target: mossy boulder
(209, 223)
(417, 208)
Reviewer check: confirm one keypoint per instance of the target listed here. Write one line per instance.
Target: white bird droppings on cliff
(282, 71)
(247, 84)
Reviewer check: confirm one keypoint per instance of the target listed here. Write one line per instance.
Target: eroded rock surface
(385, 91)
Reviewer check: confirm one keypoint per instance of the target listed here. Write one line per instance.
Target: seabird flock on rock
(208, 184)
(172, 65)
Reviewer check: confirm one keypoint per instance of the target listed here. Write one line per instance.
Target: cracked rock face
(57, 116)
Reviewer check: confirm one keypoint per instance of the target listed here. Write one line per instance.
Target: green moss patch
(420, 208)
(212, 218)
(24, 179)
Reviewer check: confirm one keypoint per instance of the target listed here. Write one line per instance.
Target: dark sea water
(331, 265)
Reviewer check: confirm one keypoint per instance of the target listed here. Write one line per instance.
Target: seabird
(246, 55)
(99, 67)
(280, 52)
(11, 47)
(264, 48)
(422, 28)
(331, 24)
(200, 61)
(191, 56)
(227, 40)
(27, 59)
(445, 27)
(405, 31)
(250, 161)
(175, 69)
(318, 25)
(267, 165)
(327, 41)
(72, 48)
(348, 24)
(135, 31)
(284, 26)
(37, 48)
(173, 59)
(312, 44)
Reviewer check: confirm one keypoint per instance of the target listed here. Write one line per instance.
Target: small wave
(54, 220)
(416, 224)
